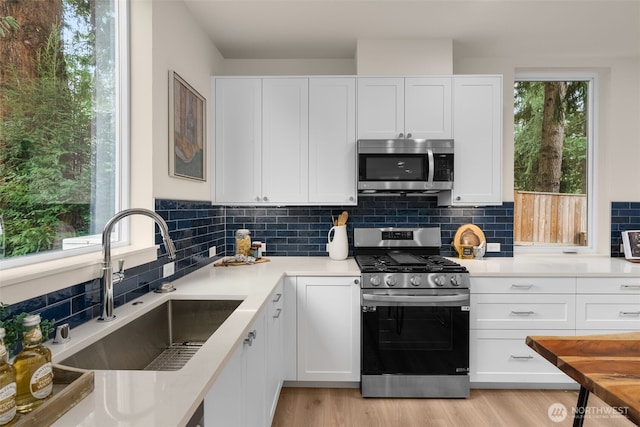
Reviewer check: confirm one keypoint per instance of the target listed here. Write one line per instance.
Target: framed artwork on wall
(631, 243)
(187, 131)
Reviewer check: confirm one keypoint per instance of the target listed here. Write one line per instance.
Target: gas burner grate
(174, 357)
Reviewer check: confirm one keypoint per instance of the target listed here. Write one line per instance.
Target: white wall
(178, 45)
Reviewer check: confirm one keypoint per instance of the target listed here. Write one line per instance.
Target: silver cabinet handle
(257, 198)
(522, 313)
(408, 135)
(250, 337)
(265, 199)
(630, 286)
(522, 357)
(630, 313)
(401, 135)
(516, 286)
(351, 198)
(356, 281)
(278, 312)
(277, 297)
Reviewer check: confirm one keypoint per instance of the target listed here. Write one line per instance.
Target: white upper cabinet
(237, 119)
(477, 134)
(285, 140)
(398, 107)
(332, 140)
(261, 140)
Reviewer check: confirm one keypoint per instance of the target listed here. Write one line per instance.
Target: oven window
(415, 341)
(393, 167)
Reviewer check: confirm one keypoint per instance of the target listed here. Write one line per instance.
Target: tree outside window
(58, 123)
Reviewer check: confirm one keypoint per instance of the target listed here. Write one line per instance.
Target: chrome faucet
(108, 277)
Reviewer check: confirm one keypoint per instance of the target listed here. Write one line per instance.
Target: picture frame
(631, 243)
(187, 130)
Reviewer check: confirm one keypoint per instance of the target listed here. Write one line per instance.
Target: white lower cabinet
(246, 392)
(502, 356)
(504, 311)
(328, 335)
(608, 305)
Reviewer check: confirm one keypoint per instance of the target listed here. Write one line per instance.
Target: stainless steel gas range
(415, 315)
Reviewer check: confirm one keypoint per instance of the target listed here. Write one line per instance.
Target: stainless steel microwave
(404, 165)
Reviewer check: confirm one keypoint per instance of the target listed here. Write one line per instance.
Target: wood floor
(345, 407)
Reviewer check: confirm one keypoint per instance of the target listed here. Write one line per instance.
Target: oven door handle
(415, 298)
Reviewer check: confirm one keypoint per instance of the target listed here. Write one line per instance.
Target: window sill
(30, 281)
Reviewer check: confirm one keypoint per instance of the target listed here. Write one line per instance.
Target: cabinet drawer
(609, 285)
(523, 285)
(608, 312)
(503, 356)
(540, 311)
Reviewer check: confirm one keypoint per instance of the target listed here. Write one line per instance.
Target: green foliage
(13, 329)
(7, 24)
(529, 106)
(45, 156)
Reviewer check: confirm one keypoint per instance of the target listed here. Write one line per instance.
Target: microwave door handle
(431, 166)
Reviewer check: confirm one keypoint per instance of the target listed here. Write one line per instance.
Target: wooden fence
(549, 218)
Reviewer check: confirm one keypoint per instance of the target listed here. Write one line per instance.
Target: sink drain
(174, 357)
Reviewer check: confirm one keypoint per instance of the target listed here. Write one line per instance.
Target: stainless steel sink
(163, 339)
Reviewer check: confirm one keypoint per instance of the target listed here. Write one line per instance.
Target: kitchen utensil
(342, 218)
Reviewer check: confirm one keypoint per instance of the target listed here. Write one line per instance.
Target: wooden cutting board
(229, 263)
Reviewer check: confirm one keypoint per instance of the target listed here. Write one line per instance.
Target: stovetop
(406, 262)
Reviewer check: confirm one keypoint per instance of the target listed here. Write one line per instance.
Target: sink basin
(163, 339)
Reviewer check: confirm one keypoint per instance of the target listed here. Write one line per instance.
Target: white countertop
(551, 266)
(141, 398)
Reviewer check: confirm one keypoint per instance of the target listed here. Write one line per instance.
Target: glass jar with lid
(243, 242)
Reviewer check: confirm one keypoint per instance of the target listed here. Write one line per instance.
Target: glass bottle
(34, 371)
(7, 385)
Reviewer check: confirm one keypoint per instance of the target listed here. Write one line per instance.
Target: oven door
(410, 334)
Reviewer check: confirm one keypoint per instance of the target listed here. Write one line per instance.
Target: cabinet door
(254, 375)
(332, 141)
(285, 140)
(274, 326)
(616, 312)
(238, 140)
(427, 110)
(380, 107)
(477, 132)
(328, 329)
(224, 404)
(290, 340)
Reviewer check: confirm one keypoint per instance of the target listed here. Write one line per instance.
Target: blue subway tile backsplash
(624, 216)
(287, 231)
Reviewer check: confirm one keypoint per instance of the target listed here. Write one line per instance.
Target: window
(554, 148)
(62, 126)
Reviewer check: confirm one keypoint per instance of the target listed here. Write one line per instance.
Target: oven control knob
(454, 281)
(440, 280)
(374, 280)
(391, 281)
(415, 280)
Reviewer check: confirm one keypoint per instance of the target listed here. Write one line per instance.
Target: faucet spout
(106, 278)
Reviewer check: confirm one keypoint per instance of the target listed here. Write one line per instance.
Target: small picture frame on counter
(631, 243)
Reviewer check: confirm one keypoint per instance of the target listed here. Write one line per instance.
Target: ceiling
(310, 29)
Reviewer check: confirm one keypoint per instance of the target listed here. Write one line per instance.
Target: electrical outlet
(168, 269)
(264, 248)
(493, 247)
(212, 251)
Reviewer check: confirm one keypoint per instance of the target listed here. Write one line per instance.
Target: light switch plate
(212, 251)
(168, 269)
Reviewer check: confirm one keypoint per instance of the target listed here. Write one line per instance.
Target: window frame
(36, 275)
(592, 154)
